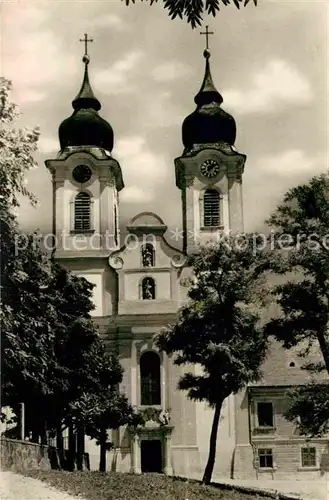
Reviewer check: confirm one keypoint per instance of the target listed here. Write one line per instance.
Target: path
(16, 487)
(308, 490)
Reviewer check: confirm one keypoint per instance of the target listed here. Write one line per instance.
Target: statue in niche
(148, 255)
(164, 417)
(148, 289)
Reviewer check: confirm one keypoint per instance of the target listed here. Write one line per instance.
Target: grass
(119, 486)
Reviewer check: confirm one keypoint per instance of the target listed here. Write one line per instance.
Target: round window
(81, 174)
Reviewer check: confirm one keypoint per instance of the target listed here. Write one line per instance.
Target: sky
(269, 62)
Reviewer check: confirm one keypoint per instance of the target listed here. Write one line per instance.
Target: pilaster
(167, 459)
(135, 454)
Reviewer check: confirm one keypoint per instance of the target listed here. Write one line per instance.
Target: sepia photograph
(164, 202)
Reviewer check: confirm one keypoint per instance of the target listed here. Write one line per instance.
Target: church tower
(86, 184)
(209, 173)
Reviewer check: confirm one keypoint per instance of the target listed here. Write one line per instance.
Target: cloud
(142, 169)
(170, 71)
(48, 145)
(109, 21)
(32, 56)
(162, 112)
(290, 163)
(117, 78)
(129, 146)
(134, 194)
(270, 177)
(276, 85)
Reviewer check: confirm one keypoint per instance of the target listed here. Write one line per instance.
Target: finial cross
(86, 40)
(207, 33)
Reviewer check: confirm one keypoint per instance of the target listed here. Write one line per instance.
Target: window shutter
(211, 210)
(82, 212)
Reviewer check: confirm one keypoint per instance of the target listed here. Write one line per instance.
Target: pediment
(144, 229)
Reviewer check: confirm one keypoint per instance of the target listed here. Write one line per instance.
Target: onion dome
(209, 123)
(85, 127)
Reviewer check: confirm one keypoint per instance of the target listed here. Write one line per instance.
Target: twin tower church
(139, 286)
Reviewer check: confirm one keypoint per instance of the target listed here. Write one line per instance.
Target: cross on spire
(207, 33)
(86, 40)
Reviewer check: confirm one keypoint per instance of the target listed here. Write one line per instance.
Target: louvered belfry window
(82, 206)
(211, 208)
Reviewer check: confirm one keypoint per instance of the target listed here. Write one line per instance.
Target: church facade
(140, 285)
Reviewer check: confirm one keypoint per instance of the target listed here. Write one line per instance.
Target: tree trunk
(212, 445)
(60, 445)
(324, 348)
(102, 445)
(71, 456)
(44, 433)
(80, 447)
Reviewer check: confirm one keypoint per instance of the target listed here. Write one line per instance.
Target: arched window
(148, 289)
(150, 378)
(211, 209)
(82, 205)
(148, 255)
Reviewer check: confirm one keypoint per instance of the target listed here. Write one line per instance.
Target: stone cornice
(187, 167)
(99, 162)
(130, 320)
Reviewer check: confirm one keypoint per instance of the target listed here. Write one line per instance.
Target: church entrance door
(151, 455)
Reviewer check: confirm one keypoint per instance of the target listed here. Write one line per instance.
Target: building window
(265, 414)
(211, 208)
(150, 378)
(82, 204)
(308, 456)
(265, 457)
(148, 289)
(148, 255)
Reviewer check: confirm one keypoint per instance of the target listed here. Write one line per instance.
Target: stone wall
(22, 455)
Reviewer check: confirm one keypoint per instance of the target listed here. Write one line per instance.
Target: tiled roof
(284, 367)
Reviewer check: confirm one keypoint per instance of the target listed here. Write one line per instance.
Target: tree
(16, 159)
(193, 10)
(309, 406)
(103, 407)
(301, 226)
(52, 355)
(17, 147)
(218, 329)
(53, 358)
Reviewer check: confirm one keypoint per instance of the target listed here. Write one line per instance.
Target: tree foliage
(219, 329)
(309, 407)
(17, 147)
(301, 222)
(194, 10)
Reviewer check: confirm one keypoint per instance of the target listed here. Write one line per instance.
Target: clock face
(81, 174)
(209, 168)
